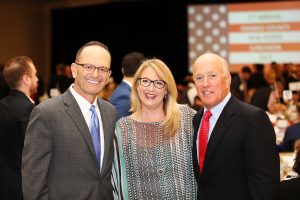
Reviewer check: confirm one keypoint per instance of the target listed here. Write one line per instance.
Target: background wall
(23, 31)
(50, 31)
(158, 29)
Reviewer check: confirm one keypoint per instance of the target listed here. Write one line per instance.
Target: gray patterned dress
(149, 165)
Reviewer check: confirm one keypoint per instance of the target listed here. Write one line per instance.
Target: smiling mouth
(150, 96)
(206, 93)
(93, 82)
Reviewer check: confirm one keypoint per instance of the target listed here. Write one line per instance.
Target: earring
(165, 97)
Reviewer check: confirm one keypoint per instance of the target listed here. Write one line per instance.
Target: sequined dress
(149, 165)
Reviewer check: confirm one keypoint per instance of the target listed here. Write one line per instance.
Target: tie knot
(207, 115)
(92, 108)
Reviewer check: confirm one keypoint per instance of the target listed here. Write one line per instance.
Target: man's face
(89, 83)
(212, 81)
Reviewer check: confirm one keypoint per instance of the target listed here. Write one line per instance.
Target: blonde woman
(153, 146)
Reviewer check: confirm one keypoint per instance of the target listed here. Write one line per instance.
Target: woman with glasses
(153, 156)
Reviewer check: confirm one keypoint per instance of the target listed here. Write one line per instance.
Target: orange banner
(269, 27)
(265, 47)
(264, 6)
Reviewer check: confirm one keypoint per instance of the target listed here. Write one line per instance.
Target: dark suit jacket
(289, 189)
(260, 97)
(120, 98)
(235, 88)
(241, 161)
(291, 134)
(15, 111)
(59, 160)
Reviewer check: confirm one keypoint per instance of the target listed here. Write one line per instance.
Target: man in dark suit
(120, 98)
(239, 84)
(20, 75)
(65, 155)
(240, 160)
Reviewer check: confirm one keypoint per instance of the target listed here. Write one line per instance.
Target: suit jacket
(235, 88)
(289, 189)
(260, 97)
(59, 160)
(291, 134)
(120, 98)
(15, 111)
(241, 161)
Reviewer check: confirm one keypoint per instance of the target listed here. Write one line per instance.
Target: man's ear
(74, 70)
(26, 79)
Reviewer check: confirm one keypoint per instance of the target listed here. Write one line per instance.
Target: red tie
(203, 138)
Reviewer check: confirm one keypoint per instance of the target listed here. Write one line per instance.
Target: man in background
(20, 75)
(239, 84)
(120, 98)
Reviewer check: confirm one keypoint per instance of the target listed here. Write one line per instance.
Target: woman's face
(151, 96)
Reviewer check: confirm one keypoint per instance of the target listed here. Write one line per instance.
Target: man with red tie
(234, 152)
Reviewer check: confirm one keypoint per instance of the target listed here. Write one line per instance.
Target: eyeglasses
(91, 68)
(159, 84)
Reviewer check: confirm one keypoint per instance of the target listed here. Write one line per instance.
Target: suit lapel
(219, 131)
(105, 123)
(196, 124)
(74, 112)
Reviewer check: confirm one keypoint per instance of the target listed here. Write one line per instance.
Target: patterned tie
(95, 133)
(203, 138)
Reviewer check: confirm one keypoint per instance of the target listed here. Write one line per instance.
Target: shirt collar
(82, 102)
(127, 82)
(30, 99)
(216, 110)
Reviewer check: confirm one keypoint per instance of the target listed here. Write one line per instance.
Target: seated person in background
(289, 189)
(291, 75)
(239, 84)
(261, 95)
(274, 102)
(268, 97)
(292, 134)
(296, 98)
(257, 79)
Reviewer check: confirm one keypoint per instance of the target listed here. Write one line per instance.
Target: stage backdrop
(246, 33)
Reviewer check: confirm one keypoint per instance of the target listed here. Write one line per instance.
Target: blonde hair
(171, 123)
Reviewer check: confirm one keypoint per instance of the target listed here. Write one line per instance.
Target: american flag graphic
(246, 33)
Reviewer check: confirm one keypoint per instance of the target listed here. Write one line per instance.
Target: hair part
(171, 122)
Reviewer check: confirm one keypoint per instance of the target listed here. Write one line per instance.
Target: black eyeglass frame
(91, 68)
(154, 82)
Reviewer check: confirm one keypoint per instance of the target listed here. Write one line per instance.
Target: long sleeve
(118, 168)
(36, 157)
(262, 163)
